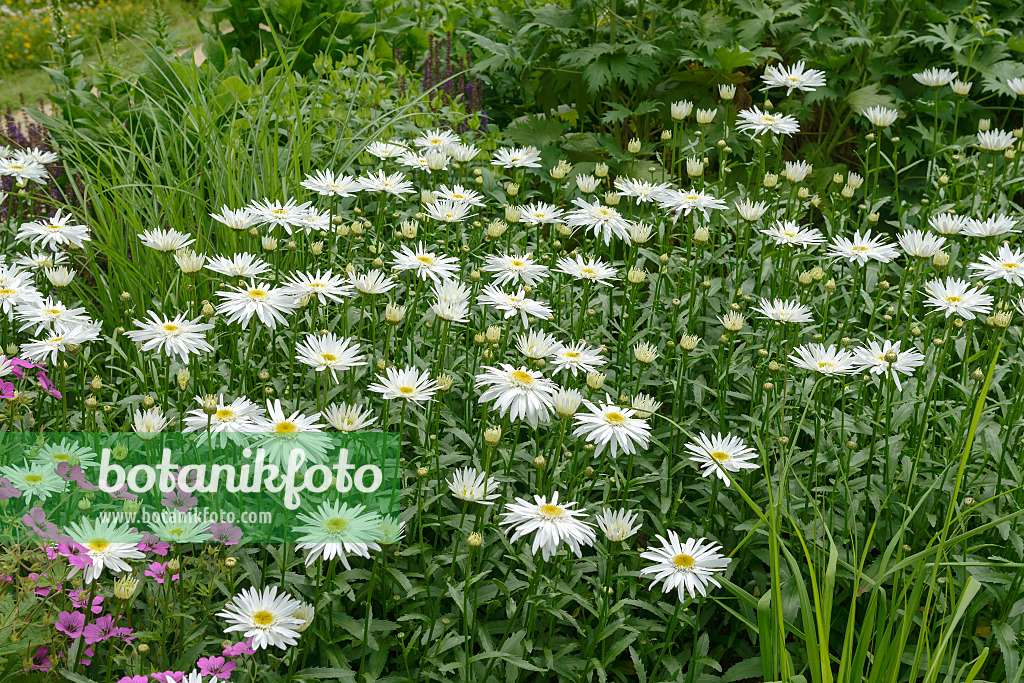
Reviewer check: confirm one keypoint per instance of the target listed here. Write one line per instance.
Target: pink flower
(225, 533)
(43, 590)
(19, 366)
(87, 654)
(71, 624)
(77, 554)
(6, 389)
(242, 647)
(158, 572)
(35, 520)
(152, 544)
(133, 679)
(7, 490)
(74, 474)
(41, 659)
(182, 501)
(169, 676)
(79, 598)
(216, 666)
(47, 385)
(99, 630)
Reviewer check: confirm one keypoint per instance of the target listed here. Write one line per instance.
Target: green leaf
(868, 96)
(735, 57)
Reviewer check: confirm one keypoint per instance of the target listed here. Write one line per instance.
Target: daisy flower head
(862, 249)
(425, 264)
(517, 157)
(992, 226)
(327, 184)
(474, 487)
(935, 78)
(830, 360)
(407, 384)
(757, 122)
(347, 417)
(329, 551)
(551, 523)
(372, 282)
(239, 265)
(283, 433)
(512, 304)
(920, 244)
(16, 289)
(259, 299)
(751, 211)
(540, 213)
(148, 423)
(175, 336)
(797, 171)
(576, 357)
(790, 311)
(520, 393)
(55, 232)
(461, 195)
(789, 233)
(883, 117)
(23, 170)
(535, 345)
(514, 268)
(590, 269)
(67, 451)
(386, 150)
(165, 240)
(438, 139)
(107, 544)
(265, 616)
(189, 261)
(42, 260)
(37, 480)
(324, 287)
(37, 155)
(612, 426)
(240, 219)
(796, 77)
(451, 301)
(394, 184)
(948, 223)
(1007, 264)
(337, 522)
(329, 352)
(617, 525)
(888, 360)
(995, 140)
(464, 153)
(717, 454)
(59, 277)
(685, 201)
(603, 221)
(641, 190)
(240, 415)
(50, 314)
(180, 528)
(273, 213)
(688, 567)
(448, 211)
(58, 341)
(957, 297)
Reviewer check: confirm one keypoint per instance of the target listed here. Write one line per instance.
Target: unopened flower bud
(474, 540)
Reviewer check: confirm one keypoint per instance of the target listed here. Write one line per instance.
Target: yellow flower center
(54, 311)
(615, 418)
(257, 293)
(860, 247)
(551, 511)
(329, 357)
(336, 524)
(522, 378)
(263, 618)
(176, 532)
(170, 328)
(98, 545)
(588, 271)
(720, 456)
(279, 212)
(953, 299)
(683, 561)
(825, 365)
(406, 391)
(6, 292)
(426, 260)
(54, 227)
(1011, 266)
(286, 427)
(572, 355)
(60, 457)
(33, 478)
(516, 263)
(224, 414)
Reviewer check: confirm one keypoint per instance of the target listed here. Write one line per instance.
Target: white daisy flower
(258, 299)
(329, 352)
(687, 567)
(348, 417)
(1007, 264)
(590, 269)
(240, 219)
(883, 117)
(788, 232)
(324, 287)
(49, 314)
(641, 190)
(148, 423)
(535, 345)
(55, 232)
(935, 78)
(862, 249)
(947, 223)
(512, 304)
(165, 240)
(685, 201)
(474, 487)
(758, 122)
(517, 157)
(425, 264)
(957, 297)
(618, 525)
(408, 384)
(791, 311)
(611, 426)
(57, 341)
(920, 244)
(394, 184)
(603, 221)
(175, 336)
(372, 282)
(240, 415)
(447, 211)
(239, 265)
(519, 393)
(265, 616)
(107, 544)
(273, 213)
(830, 360)
(551, 524)
(991, 226)
(886, 359)
(386, 150)
(37, 480)
(460, 194)
(327, 184)
(329, 551)
(796, 77)
(514, 268)
(576, 357)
